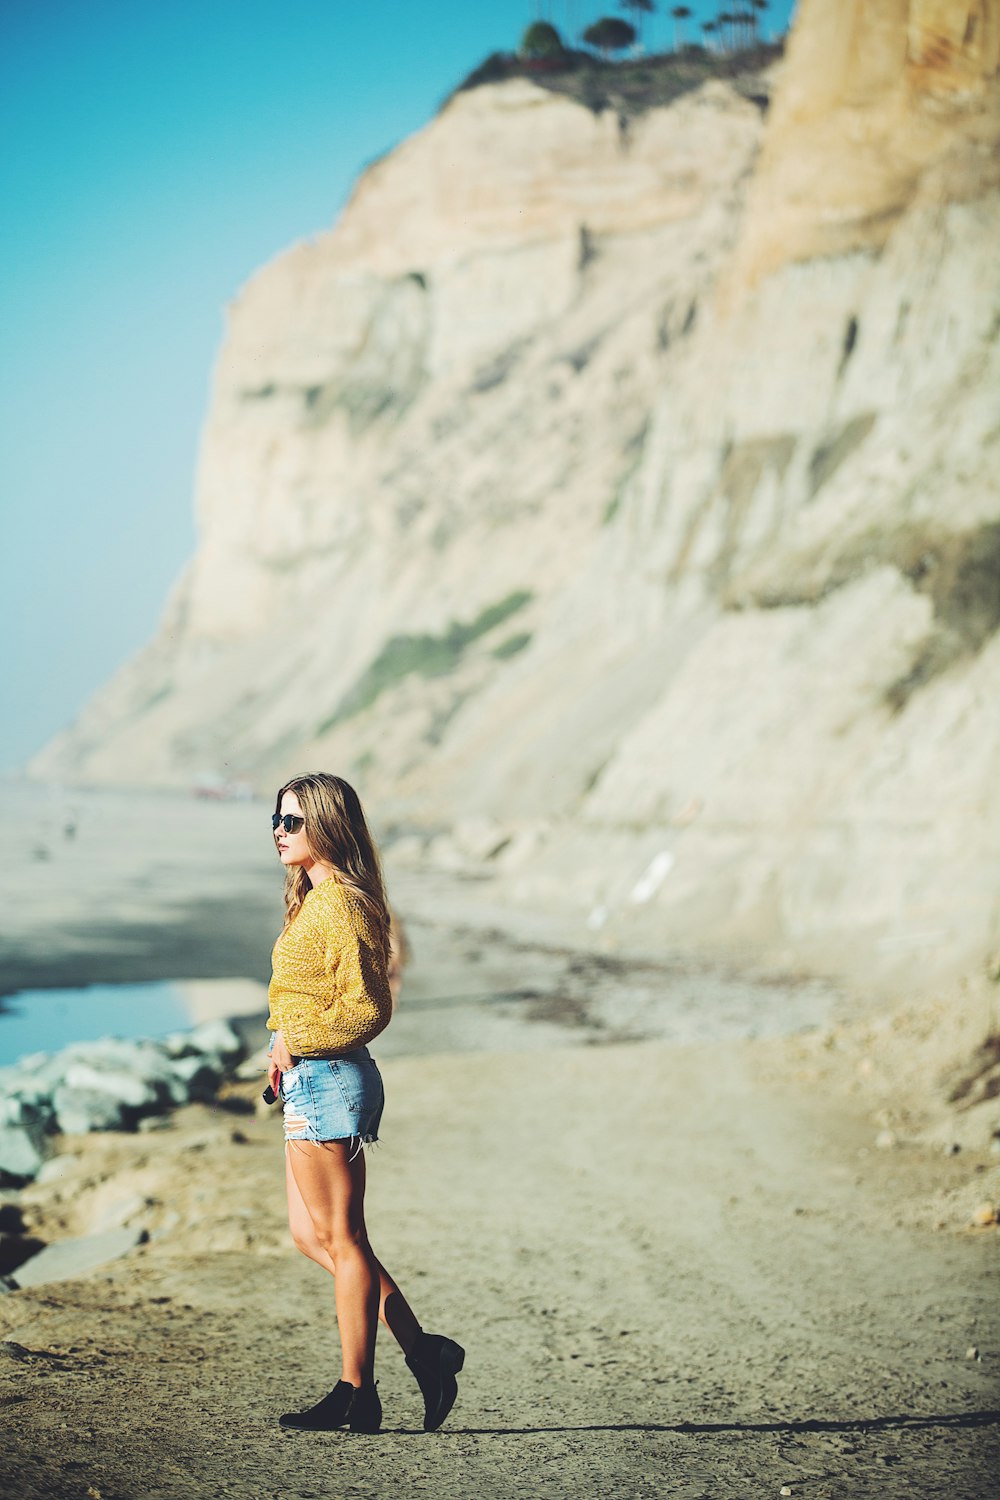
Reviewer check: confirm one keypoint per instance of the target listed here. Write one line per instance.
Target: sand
(681, 1265)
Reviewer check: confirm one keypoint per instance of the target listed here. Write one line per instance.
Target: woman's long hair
(338, 834)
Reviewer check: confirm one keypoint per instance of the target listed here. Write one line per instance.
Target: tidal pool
(45, 1020)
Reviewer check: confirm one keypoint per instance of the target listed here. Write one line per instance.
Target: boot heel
(435, 1361)
(366, 1410)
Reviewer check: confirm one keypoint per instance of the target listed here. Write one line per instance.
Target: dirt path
(677, 1270)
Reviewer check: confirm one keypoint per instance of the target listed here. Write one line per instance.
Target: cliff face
(624, 497)
(876, 99)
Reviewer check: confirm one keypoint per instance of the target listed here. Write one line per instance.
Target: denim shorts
(333, 1098)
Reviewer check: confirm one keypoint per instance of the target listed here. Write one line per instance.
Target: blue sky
(155, 153)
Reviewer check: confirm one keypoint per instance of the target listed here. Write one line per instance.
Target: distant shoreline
(118, 886)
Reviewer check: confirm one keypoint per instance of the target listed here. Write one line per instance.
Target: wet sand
(691, 1248)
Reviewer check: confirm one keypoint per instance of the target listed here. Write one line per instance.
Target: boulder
(194, 1077)
(109, 1084)
(58, 1167)
(219, 1038)
(131, 1089)
(24, 1104)
(79, 1111)
(70, 1258)
(23, 1149)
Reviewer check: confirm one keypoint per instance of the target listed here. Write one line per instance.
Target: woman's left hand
(279, 1061)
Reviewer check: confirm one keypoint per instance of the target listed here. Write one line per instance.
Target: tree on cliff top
(541, 40)
(680, 13)
(760, 6)
(610, 34)
(640, 9)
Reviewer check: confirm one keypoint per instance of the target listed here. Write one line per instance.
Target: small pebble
(885, 1140)
(972, 1352)
(786, 1489)
(985, 1214)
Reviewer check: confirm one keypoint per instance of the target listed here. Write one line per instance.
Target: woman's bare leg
(326, 1218)
(394, 1310)
(433, 1360)
(333, 1190)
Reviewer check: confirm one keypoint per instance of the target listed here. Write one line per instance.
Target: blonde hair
(338, 834)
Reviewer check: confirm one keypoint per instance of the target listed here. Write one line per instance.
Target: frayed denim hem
(357, 1142)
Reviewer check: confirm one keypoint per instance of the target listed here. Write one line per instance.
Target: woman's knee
(306, 1241)
(344, 1240)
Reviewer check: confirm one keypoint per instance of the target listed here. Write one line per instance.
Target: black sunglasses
(289, 822)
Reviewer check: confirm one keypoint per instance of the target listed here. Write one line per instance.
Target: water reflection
(45, 1020)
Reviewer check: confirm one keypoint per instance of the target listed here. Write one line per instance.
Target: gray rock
(196, 1076)
(70, 1258)
(34, 1060)
(177, 1044)
(122, 1212)
(36, 1097)
(106, 1085)
(145, 1059)
(17, 1111)
(154, 1122)
(23, 1148)
(217, 1037)
(37, 1072)
(79, 1111)
(138, 1091)
(57, 1167)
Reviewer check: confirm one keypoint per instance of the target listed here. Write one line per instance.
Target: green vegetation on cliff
(425, 655)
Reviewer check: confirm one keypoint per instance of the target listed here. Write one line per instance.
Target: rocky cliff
(615, 500)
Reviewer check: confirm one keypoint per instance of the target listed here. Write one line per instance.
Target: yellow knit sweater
(329, 989)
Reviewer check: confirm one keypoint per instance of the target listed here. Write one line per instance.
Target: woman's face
(293, 848)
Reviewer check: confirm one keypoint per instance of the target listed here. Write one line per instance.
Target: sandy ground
(682, 1265)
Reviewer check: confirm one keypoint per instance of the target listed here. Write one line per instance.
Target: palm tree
(729, 27)
(759, 6)
(680, 13)
(640, 9)
(710, 29)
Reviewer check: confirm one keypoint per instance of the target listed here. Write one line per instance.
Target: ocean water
(45, 1020)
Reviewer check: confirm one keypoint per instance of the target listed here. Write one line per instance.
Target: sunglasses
(289, 822)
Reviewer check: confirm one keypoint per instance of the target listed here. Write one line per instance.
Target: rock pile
(106, 1085)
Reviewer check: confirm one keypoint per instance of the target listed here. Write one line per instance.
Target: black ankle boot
(435, 1361)
(356, 1406)
(366, 1409)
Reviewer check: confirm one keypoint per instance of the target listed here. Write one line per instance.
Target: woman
(329, 996)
